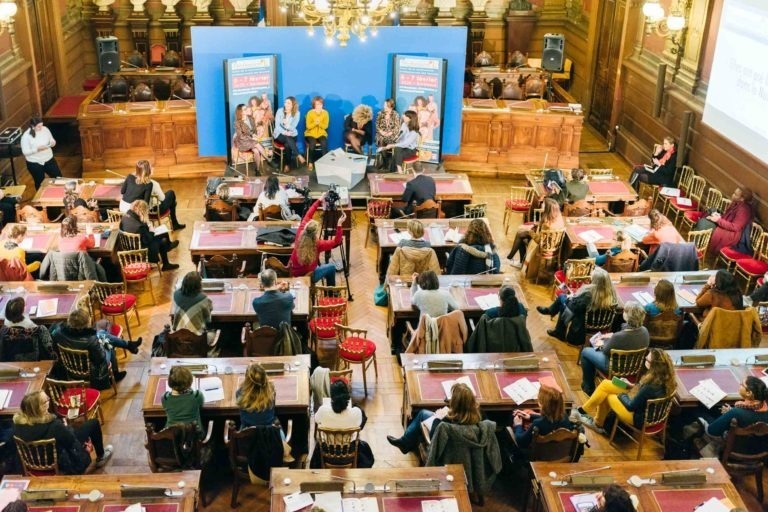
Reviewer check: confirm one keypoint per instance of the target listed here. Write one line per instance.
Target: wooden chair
(578, 209)
(596, 320)
(730, 256)
(74, 400)
(639, 208)
(259, 342)
(627, 364)
(243, 157)
(77, 365)
(114, 216)
(654, 423)
(475, 211)
(239, 445)
(683, 182)
(329, 307)
(180, 447)
(156, 217)
(338, 447)
(219, 267)
(520, 201)
(112, 301)
(625, 263)
(550, 244)
(219, 210)
(274, 212)
(746, 452)
(701, 240)
(376, 208)
(429, 209)
(694, 193)
(156, 54)
(84, 215)
(353, 347)
(711, 200)
(128, 241)
(648, 192)
(664, 328)
(575, 274)
(28, 214)
(755, 267)
(38, 458)
(185, 343)
(135, 267)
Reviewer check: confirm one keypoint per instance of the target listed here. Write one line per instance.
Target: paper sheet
(712, 505)
(47, 307)
(590, 236)
(396, 237)
(360, 505)
(236, 191)
(584, 502)
(489, 301)
(595, 338)
(5, 397)
(522, 390)
(669, 191)
(635, 231)
(452, 235)
(708, 393)
(439, 414)
(444, 505)
(297, 501)
(160, 230)
(643, 297)
(328, 501)
(212, 389)
(684, 201)
(448, 384)
(437, 235)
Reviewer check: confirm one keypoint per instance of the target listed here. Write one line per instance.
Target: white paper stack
(635, 231)
(643, 297)
(712, 505)
(444, 505)
(212, 389)
(236, 191)
(522, 390)
(684, 201)
(360, 505)
(452, 235)
(584, 502)
(708, 393)
(590, 236)
(47, 307)
(489, 301)
(448, 384)
(297, 501)
(688, 295)
(328, 501)
(670, 192)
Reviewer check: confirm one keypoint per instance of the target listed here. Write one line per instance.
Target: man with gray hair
(632, 336)
(276, 304)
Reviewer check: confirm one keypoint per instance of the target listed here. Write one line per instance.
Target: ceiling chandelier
(341, 18)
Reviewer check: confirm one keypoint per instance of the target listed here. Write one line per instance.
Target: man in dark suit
(276, 305)
(419, 189)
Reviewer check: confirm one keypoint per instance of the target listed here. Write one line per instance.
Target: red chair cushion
(733, 254)
(331, 301)
(559, 277)
(517, 205)
(752, 266)
(91, 397)
(277, 144)
(694, 205)
(411, 159)
(118, 303)
(693, 216)
(136, 271)
(356, 349)
(656, 428)
(323, 326)
(760, 281)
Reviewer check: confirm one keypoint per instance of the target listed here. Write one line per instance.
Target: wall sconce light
(8, 10)
(672, 26)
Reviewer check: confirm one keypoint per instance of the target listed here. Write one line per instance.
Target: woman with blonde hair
(571, 309)
(137, 186)
(11, 249)
(308, 247)
(135, 221)
(358, 128)
(34, 422)
(285, 132)
(462, 409)
(657, 382)
(475, 253)
(551, 220)
(416, 232)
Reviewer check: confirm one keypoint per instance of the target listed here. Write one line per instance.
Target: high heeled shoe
(545, 311)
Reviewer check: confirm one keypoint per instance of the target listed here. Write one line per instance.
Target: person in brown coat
(721, 291)
(445, 334)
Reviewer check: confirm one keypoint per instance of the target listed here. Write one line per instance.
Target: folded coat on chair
(723, 328)
(502, 334)
(451, 332)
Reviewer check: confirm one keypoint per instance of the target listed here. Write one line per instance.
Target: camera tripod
(331, 216)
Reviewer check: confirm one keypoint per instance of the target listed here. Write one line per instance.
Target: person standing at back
(37, 145)
(276, 304)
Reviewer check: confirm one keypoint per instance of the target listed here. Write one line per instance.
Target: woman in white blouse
(407, 141)
(339, 413)
(36, 144)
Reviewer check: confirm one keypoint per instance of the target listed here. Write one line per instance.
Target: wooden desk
(44, 238)
(228, 238)
(292, 387)
(389, 500)
(14, 190)
(28, 381)
(600, 190)
(434, 233)
(423, 388)
(626, 289)
(606, 227)
(515, 134)
(106, 192)
(658, 497)
(725, 373)
(450, 187)
(252, 187)
(233, 303)
(35, 291)
(109, 484)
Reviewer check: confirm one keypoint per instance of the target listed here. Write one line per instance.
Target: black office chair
(162, 90)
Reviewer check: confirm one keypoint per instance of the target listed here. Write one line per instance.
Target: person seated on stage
(222, 193)
(664, 299)
(71, 239)
(308, 248)
(34, 422)
(276, 304)
(734, 225)
(135, 221)
(599, 294)
(7, 208)
(632, 336)
(11, 248)
(576, 189)
(245, 139)
(167, 203)
(316, 132)
(614, 498)
(417, 190)
(182, 404)
(551, 417)
(657, 382)
(551, 220)
(137, 186)
(358, 128)
(625, 250)
(475, 252)
(662, 170)
(462, 409)
(191, 308)
(387, 126)
(407, 143)
(15, 318)
(760, 294)
(427, 296)
(273, 195)
(662, 231)
(720, 291)
(286, 121)
(416, 232)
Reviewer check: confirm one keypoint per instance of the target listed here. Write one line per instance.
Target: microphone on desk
(185, 100)
(110, 171)
(134, 66)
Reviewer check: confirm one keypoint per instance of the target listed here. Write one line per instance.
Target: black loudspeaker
(108, 50)
(553, 55)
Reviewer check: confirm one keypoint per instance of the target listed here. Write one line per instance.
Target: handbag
(381, 295)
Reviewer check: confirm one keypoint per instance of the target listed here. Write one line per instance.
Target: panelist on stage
(387, 125)
(358, 129)
(246, 138)
(316, 132)
(286, 121)
(407, 140)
